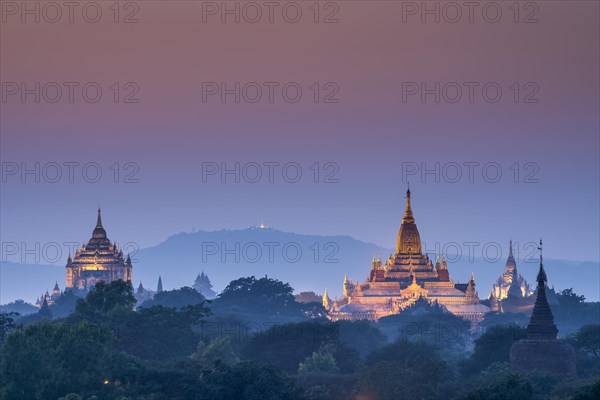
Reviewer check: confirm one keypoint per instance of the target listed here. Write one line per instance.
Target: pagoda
(98, 260)
(404, 278)
(203, 285)
(540, 350)
(511, 282)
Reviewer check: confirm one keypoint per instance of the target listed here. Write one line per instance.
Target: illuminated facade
(405, 277)
(510, 282)
(98, 260)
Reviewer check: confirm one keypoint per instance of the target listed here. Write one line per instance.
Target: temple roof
(99, 232)
(98, 250)
(409, 240)
(510, 261)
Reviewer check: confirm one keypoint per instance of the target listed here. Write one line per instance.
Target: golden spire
(408, 240)
(326, 299)
(345, 289)
(408, 214)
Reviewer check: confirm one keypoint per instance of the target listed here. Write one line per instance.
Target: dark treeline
(256, 341)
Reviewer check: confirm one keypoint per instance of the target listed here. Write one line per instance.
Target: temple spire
(99, 221)
(326, 300)
(408, 214)
(541, 325)
(541, 278)
(511, 264)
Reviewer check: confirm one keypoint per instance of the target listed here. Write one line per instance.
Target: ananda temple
(98, 260)
(404, 278)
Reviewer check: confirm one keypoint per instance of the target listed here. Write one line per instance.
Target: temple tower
(98, 260)
(540, 350)
(409, 240)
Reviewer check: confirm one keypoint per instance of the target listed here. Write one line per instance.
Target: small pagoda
(540, 350)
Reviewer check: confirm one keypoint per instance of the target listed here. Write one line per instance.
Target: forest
(257, 340)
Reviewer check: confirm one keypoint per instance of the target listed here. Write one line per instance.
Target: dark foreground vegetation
(255, 341)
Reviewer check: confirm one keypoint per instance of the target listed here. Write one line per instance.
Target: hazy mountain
(307, 262)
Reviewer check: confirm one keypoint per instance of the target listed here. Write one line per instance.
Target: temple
(540, 350)
(405, 277)
(50, 299)
(510, 281)
(203, 285)
(98, 260)
(511, 293)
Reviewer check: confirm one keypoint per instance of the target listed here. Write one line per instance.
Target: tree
(105, 298)
(512, 387)
(573, 312)
(320, 361)
(568, 298)
(158, 333)
(177, 298)
(362, 335)
(50, 359)
(218, 349)
(247, 381)
(7, 323)
(586, 342)
(428, 323)
(263, 296)
(64, 305)
(286, 346)
(404, 370)
(588, 392)
(492, 347)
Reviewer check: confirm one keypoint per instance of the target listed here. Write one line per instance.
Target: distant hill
(229, 254)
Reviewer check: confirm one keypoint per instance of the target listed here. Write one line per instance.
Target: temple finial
(541, 278)
(99, 221)
(408, 214)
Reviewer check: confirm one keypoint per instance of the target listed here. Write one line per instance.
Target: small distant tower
(159, 287)
(326, 300)
(347, 284)
(471, 291)
(442, 270)
(55, 291)
(45, 311)
(203, 285)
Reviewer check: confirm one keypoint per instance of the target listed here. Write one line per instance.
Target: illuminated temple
(511, 282)
(98, 260)
(404, 278)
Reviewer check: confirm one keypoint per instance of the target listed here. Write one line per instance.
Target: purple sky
(371, 134)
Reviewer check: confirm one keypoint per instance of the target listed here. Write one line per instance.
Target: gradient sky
(369, 134)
